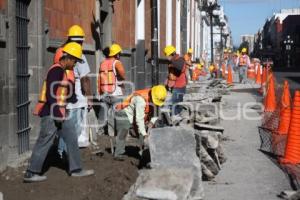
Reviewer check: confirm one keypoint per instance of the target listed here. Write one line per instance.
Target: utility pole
(154, 43)
(211, 37)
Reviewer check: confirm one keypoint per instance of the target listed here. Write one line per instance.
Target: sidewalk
(248, 174)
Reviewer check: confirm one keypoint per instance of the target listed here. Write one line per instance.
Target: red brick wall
(61, 14)
(123, 23)
(162, 27)
(2, 4)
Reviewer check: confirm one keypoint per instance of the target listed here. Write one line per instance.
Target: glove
(58, 124)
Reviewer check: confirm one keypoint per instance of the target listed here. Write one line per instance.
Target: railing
(22, 76)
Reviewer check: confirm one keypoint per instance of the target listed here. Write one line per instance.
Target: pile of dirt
(111, 181)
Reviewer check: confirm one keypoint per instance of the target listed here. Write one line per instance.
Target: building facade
(32, 30)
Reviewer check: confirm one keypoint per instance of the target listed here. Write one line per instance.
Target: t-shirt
(80, 70)
(54, 77)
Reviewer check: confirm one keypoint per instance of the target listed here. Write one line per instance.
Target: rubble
(187, 145)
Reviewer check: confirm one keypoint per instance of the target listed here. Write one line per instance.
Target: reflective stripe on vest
(146, 94)
(107, 80)
(61, 93)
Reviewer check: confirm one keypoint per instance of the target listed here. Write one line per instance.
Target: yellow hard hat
(190, 50)
(76, 31)
(244, 50)
(225, 50)
(199, 66)
(114, 49)
(158, 94)
(211, 68)
(73, 49)
(169, 50)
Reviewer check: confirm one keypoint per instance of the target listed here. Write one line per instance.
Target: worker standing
(110, 83)
(188, 61)
(177, 77)
(51, 107)
(243, 62)
(136, 111)
(78, 109)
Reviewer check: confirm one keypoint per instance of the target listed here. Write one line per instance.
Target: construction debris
(185, 148)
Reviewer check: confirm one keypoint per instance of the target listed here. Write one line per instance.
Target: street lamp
(210, 8)
(288, 48)
(221, 24)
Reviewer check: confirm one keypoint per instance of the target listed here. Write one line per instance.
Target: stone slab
(176, 147)
(165, 184)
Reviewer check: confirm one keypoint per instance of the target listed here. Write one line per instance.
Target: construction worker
(110, 76)
(111, 73)
(177, 77)
(243, 62)
(51, 107)
(212, 70)
(82, 101)
(197, 71)
(188, 61)
(136, 111)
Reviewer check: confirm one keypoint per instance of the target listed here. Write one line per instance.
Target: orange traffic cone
(292, 149)
(229, 76)
(223, 71)
(258, 75)
(270, 99)
(285, 110)
(263, 81)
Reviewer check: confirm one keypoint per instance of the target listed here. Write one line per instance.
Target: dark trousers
(45, 140)
(177, 97)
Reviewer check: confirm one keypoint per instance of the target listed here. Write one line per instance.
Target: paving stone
(165, 184)
(176, 147)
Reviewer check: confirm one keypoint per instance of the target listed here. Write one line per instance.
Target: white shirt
(118, 90)
(80, 70)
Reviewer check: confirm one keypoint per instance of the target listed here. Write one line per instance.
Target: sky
(247, 16)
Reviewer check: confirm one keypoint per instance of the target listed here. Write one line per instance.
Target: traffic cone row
(292, 149)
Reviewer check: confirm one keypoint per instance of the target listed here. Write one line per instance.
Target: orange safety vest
(196, 74)
(107, 79)
(146, 94)
(173, 80)
(58, 54)
(242, 60)
(61, 94)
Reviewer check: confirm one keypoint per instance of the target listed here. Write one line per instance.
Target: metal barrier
(22, 75)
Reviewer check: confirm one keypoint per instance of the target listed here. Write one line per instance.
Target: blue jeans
(177, 97)
(48, 131)
(243, 74)
(77, 117)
